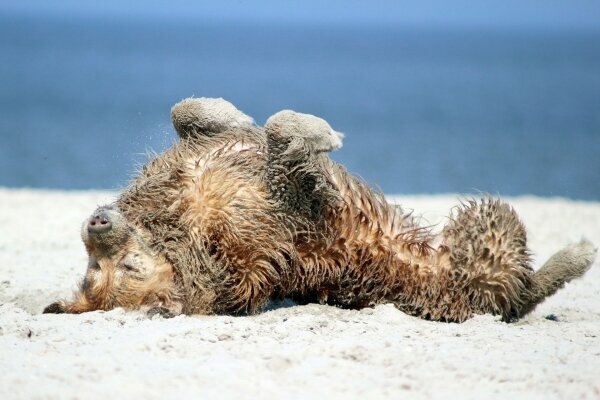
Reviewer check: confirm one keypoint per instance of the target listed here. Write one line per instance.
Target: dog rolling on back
(235, 215)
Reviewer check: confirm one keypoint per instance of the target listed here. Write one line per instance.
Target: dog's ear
(55, 308)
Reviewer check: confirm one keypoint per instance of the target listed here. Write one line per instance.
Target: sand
(288, 351)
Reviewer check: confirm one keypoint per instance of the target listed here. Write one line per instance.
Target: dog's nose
(99, 223)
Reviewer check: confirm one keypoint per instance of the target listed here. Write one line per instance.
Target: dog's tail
(487, 242)
(567, 264)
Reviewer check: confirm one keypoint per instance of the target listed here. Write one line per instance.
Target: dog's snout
(99, 223)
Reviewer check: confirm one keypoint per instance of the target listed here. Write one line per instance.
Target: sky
(543, 14)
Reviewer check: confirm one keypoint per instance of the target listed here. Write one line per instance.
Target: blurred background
(460, 96)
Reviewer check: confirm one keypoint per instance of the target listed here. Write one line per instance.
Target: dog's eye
(129, 268)
(94, 265)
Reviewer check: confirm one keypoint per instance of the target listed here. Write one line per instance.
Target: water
(424, 110)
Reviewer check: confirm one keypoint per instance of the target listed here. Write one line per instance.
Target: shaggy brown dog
(227, 220)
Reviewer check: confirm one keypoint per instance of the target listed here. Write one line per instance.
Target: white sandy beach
(288, 352)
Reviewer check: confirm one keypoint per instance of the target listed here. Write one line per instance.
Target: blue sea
(424, 110)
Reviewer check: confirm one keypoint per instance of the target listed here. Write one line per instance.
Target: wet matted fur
(226, 222)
